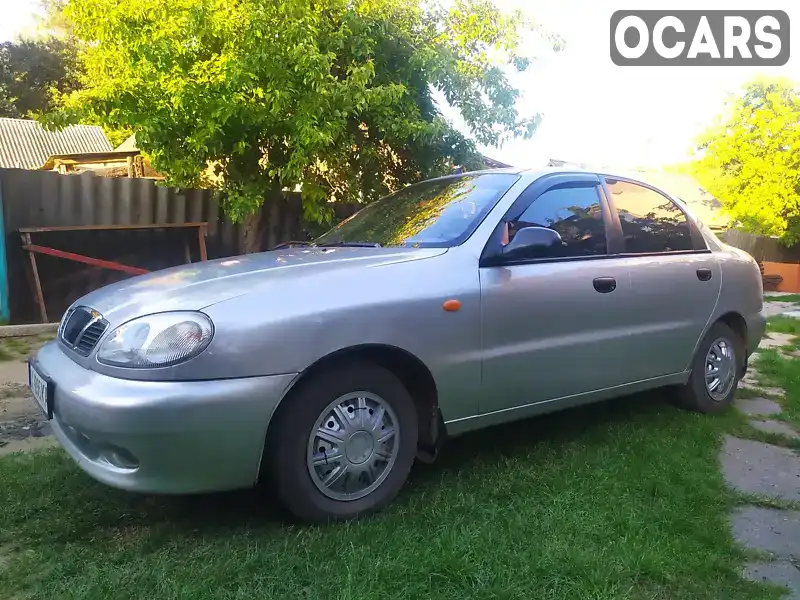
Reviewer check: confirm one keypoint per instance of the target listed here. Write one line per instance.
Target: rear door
(675, 279)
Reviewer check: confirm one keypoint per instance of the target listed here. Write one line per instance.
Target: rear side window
(574, 212)
(651, 222)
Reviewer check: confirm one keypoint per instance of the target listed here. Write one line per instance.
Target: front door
(555, 325)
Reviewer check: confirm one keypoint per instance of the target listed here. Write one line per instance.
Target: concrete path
(775, 533)
(776, 308)
(773, 305)
(768, 471)
(775, 340)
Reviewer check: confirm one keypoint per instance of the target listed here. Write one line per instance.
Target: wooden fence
(48, 199)
(762, 248)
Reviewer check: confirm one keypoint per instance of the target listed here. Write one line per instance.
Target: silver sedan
(454, 304)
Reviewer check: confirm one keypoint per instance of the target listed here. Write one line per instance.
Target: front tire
(715, 371)
(343, 443)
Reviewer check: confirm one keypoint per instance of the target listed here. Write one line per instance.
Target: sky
(592, 110)
(599, 113)
(18, 17)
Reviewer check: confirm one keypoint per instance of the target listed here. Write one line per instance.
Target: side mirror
(532, 241)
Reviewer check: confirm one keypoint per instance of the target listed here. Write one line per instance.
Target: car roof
(635, 176)
(535, 173)
(540, 171)
(520, 171)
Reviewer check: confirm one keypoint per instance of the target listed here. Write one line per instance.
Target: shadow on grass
(462, 453)
(91, 506)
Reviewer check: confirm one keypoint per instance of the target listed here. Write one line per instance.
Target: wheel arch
(412, 372)
(738, 325)
(736, 322)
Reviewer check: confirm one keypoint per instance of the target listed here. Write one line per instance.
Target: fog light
(82, 442)
(101, 452)
(118, 457)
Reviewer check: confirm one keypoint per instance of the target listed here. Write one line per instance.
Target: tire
(695, 395)
(370, 391)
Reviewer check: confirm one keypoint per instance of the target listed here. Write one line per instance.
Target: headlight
(159, 340)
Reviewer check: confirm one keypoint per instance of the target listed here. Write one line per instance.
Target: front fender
(399, 305)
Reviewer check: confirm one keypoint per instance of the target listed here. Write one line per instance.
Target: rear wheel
(343, 443)
(715, 371)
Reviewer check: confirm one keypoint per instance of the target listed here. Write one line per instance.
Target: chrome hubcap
(353, 446)
(720, 369)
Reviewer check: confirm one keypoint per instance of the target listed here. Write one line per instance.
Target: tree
(751, 160)
(335, 96)
(33, 73)
(53, 22)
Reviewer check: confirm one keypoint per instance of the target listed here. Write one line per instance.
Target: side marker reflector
(451, 305)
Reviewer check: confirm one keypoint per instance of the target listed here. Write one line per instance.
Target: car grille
(81, 329)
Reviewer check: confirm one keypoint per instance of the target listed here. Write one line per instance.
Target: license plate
(42, 390)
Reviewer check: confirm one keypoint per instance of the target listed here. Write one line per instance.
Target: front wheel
(715, 371)
(343, 443)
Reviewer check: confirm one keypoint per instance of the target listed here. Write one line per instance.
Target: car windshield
(435, 213)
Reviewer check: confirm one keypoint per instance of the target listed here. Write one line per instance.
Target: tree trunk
(273, 224)
(263, 230)
(252, 233)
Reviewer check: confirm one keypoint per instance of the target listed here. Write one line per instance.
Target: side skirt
(463, 425)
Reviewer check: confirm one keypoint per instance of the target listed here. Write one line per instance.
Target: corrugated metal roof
(127, 145)
(494, 164)
(25, 144)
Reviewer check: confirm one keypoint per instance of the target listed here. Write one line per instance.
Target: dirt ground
(22, 424)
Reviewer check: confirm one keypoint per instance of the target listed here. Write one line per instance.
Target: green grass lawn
(787, 298)
(622, 500)
(783, 324)
(784, 373)
(19, 348)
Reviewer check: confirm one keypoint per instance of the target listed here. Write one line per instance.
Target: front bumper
(161, 437)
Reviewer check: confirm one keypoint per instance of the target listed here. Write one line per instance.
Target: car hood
(198, 285)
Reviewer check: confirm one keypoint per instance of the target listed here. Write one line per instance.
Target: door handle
(604, 285)
(704, 274)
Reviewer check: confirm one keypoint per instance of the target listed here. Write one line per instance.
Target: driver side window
(574, 212)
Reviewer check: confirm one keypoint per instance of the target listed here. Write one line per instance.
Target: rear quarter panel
(742, 292)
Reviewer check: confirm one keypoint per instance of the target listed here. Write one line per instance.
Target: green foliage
(783, 371)
(334, 95)
(53, 21)
(33, 73)
(115, 136)
(751, 160)
(36, 73)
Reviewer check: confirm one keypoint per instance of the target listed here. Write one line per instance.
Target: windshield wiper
(290, 244)
(349, 245)
(326, 245)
